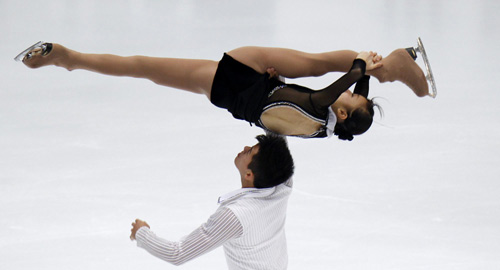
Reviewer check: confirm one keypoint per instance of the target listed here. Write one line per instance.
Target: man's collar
(247, 193)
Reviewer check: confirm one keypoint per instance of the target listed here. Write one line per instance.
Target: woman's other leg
(187, 74)
(398, 66)
(292, 63)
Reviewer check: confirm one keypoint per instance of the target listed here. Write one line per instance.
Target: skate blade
(430, 75)
(21, 56)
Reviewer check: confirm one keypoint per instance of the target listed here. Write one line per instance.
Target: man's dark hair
(273, 163)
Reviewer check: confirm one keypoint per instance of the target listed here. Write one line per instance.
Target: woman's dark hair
(358, 122)
(273, 163)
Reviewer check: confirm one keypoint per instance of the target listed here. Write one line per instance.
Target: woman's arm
(327, 96)
(362, 86)
(323, 98)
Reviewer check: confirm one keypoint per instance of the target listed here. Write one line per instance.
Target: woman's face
(353, 101)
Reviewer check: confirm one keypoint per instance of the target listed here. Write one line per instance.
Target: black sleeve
(327, 96)
(362, 86)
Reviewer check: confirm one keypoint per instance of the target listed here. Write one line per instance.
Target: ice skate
(45, 54)
(38, 48)
(430, 77)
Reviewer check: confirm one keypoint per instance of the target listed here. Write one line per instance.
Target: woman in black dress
(245, 82)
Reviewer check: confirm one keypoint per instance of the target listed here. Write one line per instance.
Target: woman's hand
(372, 60)
(272, 72)
(136, 226)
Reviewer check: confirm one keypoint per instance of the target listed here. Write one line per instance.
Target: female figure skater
(244, 82)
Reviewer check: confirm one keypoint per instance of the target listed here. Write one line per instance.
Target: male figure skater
(249, 222)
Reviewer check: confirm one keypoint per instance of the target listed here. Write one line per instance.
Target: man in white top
(249, 222)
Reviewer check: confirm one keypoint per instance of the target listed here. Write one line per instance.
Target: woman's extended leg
(292, 63)
(398, 66)
(187, 74)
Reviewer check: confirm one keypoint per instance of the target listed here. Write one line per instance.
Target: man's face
(245, 157)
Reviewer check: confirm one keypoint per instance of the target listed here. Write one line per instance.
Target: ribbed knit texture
(251, 229)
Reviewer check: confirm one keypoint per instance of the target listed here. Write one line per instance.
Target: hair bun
(342, 132)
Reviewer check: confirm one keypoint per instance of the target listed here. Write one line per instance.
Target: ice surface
(83, 155)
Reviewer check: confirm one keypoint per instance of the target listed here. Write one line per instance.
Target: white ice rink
(82, 155)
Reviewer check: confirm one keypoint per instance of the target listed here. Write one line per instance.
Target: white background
(82, 155)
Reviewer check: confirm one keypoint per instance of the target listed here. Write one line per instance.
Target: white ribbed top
(249, 223)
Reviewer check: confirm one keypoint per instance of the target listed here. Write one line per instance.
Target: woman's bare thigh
(292, 63)
(194, 75)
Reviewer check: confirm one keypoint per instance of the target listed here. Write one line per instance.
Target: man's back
(262, 215)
